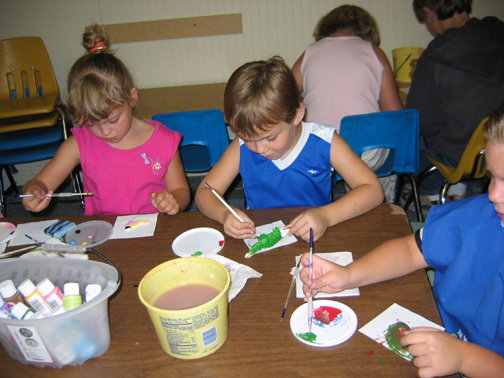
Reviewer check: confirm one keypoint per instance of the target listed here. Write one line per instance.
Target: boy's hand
(38, 202)
(165, 202)
(236, 229)
(327, 276)
(435, 352)
(314, 219)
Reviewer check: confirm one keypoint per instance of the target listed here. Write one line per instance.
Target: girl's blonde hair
(260, 94)
(350, 19)
(494, 126)
(98, 82)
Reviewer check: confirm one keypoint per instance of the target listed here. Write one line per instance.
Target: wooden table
(258, 345)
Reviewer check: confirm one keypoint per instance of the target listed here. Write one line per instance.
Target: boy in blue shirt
(464, 242)
(283, 161)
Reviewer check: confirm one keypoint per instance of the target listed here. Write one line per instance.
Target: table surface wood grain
(258, 343)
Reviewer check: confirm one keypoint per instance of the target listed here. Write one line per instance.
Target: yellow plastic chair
(472, 165)
(33, 123)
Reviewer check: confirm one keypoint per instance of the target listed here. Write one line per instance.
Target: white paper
(34, 229)
(340, 258)
(377, 328)
(239, 273)
(266, 229)
(140, 231)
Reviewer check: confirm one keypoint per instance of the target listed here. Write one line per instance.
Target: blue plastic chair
(397, 130)
(204, 137)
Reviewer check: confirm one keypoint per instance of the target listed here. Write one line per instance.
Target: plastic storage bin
(69, 338)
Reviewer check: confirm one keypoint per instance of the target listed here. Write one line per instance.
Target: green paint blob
(308, 336)
(381, 362)
(197, 253)
(393, 337)
(265, 241)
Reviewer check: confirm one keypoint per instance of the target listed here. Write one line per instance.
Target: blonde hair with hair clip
(98, 82)
(350, 19)
(260, 94)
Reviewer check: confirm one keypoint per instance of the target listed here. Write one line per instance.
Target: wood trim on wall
(179, 99)
(175, 28)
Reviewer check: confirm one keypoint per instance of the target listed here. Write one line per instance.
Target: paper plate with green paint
(333, 323)
(203, 239)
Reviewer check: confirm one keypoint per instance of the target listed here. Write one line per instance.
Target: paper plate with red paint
(204, 240)
(6, 231)
(333, 323)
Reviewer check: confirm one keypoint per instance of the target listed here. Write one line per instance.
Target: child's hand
(236, 229)
(165, 202)
(327, 276)
(314, 219)
(436, 353)
(38, 202)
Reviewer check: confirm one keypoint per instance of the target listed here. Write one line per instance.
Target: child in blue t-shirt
(283, 161)
(463, 241)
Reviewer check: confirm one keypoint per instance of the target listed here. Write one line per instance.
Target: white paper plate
(327, 335)
(203, 239)
(90, 234)
(6, 231)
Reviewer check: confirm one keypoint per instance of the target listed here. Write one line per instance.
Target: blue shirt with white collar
(303, 178)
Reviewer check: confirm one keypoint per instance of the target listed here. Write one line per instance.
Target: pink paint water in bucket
(405, 61)
(190, 329)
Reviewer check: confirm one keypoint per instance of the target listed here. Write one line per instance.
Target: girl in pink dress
(131, 166)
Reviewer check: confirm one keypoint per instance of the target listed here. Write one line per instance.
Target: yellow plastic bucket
(405, 61)
(195, 332)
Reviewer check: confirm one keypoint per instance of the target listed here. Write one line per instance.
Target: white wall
(282, 27)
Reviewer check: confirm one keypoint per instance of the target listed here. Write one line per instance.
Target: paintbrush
(50, 195)
(310, 300)
(224, 202)
(18, 251)
(296, 271)
(400, 66)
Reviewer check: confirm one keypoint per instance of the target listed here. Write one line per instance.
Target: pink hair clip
(99, 46)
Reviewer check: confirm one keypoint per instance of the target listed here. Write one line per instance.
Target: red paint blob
(326, 314)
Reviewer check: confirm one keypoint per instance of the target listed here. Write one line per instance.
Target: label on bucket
(30, 344)
(181, 333)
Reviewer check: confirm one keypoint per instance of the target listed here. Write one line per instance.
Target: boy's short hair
(350, 19)
(444, 9)
(260, 94)
(494, 127)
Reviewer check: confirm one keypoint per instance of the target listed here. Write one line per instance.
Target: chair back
(27, 82)
(204, 137)
(472, 165)
(396, 130)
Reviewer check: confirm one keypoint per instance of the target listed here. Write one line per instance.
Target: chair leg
(2, 203)
(413, 194)
(426, 172)
(77, 183)
(444, 192)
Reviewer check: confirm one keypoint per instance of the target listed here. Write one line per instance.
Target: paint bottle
(52, 294)
(23, 312)
(92, 290)
(58, 310)
(4, 309)
(10, 294)
(72, 298)
(33, 297)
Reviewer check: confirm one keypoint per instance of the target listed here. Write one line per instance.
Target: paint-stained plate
(90, 234)
(6, 231)
(333, 323)
(204, 239)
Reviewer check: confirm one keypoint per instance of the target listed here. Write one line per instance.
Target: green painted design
(197, 253)
(393, 337)
(265, 241)
(308, 336)
(381, 362)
